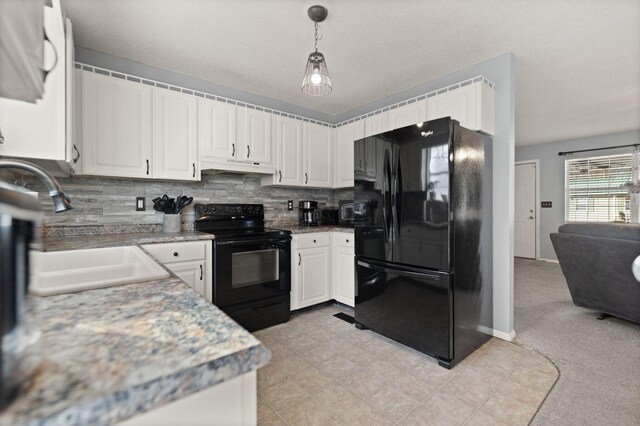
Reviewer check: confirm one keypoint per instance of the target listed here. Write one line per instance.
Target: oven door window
(249, 271)
(250, 268)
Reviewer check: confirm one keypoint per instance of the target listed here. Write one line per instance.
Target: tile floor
(324, 371)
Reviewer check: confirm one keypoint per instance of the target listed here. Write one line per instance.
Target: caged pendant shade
(316, 81)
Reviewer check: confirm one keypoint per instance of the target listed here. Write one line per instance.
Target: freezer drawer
(409, 305)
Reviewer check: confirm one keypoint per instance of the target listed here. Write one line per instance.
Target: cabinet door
(458, 104)
(344, 160)
(192, 273)
(289, 152)
(317, 155)
(472, 105)
(376, 124)
(217, 129)
(313, 276)
(407, 115)
(175, 135)
(256, 137)
(37, 130)
(116, 126)
(343, 267)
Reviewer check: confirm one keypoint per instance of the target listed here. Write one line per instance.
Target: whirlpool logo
(425, 134)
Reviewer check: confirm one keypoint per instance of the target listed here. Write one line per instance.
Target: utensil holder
(172, 223)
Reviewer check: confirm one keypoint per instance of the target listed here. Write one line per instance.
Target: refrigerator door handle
(386, 201)
(396, 208)
(399, 271)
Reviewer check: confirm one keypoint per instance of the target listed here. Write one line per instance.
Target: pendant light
(316, 81)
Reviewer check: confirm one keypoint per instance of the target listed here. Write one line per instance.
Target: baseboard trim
(549, 260)
(497, 333)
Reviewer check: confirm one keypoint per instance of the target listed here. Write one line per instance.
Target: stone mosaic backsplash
(108, 204)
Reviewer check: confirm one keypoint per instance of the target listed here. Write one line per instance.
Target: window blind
(596, 191)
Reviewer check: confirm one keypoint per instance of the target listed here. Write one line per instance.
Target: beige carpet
(599, 361)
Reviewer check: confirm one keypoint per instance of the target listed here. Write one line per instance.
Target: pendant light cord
(316, 43)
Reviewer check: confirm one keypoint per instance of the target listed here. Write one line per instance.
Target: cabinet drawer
(343, 239)
(177, 252)
(312, 240)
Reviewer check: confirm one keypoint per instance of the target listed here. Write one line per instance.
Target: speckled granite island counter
(113, 353)
(300, 229)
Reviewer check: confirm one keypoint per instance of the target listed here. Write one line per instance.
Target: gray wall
(552, 175)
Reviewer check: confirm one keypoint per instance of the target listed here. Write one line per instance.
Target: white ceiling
(577, 72)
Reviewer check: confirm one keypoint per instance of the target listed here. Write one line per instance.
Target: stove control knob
(214, 209)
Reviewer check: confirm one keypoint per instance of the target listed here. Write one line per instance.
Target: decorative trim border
(197, 93)
(419, 98)
(136, 79)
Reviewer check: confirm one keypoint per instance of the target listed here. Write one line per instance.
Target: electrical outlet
(290, 205)
(140, 204)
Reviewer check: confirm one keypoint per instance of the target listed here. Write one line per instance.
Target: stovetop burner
(234, 220)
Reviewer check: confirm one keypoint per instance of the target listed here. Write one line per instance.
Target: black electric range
(251, 264)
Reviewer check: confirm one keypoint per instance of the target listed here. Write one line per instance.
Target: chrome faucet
(61, 202)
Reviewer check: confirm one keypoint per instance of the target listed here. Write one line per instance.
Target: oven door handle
(275, 241)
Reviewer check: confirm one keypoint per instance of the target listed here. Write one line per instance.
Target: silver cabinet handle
(201, 273)
(248, 151)
(280, 173)
(530, 217)
(233, 149)
(77, 157)
(176, 254)
(147, 166)
(194, 169)
(306, 178)
(299, 259)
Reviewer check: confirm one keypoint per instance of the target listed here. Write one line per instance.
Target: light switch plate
(545, 204)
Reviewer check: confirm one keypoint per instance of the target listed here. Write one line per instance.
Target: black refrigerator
(423, 225)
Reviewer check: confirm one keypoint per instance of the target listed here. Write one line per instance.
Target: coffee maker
(309, 213)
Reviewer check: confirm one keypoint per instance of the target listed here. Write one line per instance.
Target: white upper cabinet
(288, 151)
(217, 129)
(38, 130)
(407, 115)
(254, 132)
(317, 144)
(175, 142)
(117, 126)
(376, 124)
(344, 159)
(472, 105)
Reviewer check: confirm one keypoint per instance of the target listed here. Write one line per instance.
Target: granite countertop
(299, 229)
(76, 242)
(109, 354)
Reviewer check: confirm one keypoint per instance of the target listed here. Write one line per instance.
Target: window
(596, 191)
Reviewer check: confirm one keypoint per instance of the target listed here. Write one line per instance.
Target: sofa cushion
(620, 231)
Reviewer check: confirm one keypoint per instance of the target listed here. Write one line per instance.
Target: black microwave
(345, 212)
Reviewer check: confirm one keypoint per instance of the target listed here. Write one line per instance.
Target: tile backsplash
(111, 201)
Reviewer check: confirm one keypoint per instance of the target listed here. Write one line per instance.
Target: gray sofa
(596, 261)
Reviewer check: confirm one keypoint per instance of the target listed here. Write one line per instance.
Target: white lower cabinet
(322, 269)
(343, 278)
(233, 402)
(310, 269)
(189, 261)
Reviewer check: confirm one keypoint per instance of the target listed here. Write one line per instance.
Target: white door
(407, 115)
(256, 147)
(217, 129)
(175, 142)
(343, 255)
(116, 127)
(192, 273)
(317, 155)
(525, 221)
(314, 276)
(344, 162)
(289, 151)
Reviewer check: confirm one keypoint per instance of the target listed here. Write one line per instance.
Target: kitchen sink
(78, 270)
